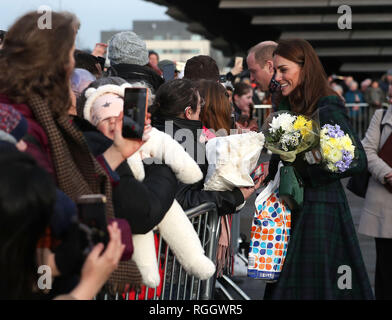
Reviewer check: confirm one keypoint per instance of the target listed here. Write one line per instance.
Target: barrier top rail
(348, 105)
(199, 210)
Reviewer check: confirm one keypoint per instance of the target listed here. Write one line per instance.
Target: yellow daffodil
(303, 125)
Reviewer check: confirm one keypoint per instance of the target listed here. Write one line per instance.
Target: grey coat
(376, 218)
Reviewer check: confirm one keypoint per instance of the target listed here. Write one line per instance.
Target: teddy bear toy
(175, 228)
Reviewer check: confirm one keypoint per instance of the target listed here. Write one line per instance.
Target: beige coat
(376, 218)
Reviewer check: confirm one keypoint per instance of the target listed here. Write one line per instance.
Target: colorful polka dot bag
(270, 234)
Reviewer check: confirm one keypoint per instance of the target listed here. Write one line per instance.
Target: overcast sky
(95, 15)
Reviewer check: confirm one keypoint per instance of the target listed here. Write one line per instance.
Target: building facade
(171, 40)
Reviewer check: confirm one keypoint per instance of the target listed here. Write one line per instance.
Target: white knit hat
(92, 94)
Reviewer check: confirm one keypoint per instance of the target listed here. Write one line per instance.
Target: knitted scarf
(78, 173)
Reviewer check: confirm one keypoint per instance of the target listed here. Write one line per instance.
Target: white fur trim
(92, 94)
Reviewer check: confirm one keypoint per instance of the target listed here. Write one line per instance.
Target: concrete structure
(351, 36)
(179, 50)
(171, 40)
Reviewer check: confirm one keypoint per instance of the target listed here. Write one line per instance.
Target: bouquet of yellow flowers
(337, 148)
(288, 134)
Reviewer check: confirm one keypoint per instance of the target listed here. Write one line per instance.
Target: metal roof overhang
(234, 26)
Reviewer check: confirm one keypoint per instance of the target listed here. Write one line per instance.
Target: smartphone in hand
(92, 218)
(168, 72)
(238, 61)
(135, 110)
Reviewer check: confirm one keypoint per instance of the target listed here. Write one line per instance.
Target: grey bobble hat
(127, 47)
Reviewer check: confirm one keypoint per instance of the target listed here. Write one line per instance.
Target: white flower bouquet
(288, 134)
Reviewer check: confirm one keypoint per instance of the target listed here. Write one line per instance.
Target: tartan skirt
(324, 260)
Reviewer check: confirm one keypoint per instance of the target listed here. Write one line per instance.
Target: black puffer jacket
(190, 196)
(142, 204)
(133, 72)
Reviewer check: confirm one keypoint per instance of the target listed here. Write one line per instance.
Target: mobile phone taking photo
(92, 217)
(168, 72)
(135, 107)
(238, 61)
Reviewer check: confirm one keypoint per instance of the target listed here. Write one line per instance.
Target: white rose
(335, 155)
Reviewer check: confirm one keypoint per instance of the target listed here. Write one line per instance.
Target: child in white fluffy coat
(175, 227)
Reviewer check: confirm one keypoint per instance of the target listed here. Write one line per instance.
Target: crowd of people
(61, 137)
(371, 93)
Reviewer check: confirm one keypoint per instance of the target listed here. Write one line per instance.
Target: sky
(94, 15)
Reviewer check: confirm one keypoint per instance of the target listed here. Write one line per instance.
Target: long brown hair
(313, 83)
(216, 113)
(37, 61)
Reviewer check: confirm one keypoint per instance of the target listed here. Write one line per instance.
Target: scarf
(79, 173)
(224, 254)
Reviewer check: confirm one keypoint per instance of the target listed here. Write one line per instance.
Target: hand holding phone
(92, 218)
(100, 50)
(237, 69)
(99, 265)
(135, 112)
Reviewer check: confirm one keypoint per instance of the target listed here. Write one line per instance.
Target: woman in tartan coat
(323, 260)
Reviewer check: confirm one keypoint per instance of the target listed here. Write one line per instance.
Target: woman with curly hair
(35, 70)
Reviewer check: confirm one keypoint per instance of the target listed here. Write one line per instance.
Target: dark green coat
(323, 238)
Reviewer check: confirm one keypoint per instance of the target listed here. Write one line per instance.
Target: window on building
(179, 51)
(195, 37)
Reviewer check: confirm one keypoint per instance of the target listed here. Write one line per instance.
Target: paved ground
(255, 288)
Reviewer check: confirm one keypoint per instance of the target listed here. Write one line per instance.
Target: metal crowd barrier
(177, 284)
(360, 115)
(261, 112)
